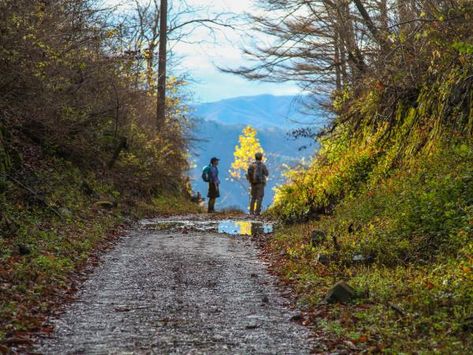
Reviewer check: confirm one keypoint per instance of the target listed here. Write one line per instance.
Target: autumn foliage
(70, 90)
(244, 154)
(79, 147)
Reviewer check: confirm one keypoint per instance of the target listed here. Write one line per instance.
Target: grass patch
(169, 205)
(407, 308)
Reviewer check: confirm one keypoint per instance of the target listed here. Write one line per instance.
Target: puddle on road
(230, 227)
(244, 227)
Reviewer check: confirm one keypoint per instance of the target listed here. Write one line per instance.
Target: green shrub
(417, 224)
(415, 215)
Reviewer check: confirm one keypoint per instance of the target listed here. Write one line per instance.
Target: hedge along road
(179, 288)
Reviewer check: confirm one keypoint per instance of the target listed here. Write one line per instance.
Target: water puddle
(230, 227)
(244, 227)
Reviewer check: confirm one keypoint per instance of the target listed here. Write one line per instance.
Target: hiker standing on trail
(257, 175)
(210, 174)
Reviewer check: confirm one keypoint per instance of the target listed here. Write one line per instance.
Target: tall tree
(244, 154)
(161, 102)
(153, 27)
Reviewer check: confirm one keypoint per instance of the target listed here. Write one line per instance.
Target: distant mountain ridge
(262, 111)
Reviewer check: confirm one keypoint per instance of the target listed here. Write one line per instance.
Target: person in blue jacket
(214, 183)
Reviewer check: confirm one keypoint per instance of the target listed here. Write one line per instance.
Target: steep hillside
(387, 203)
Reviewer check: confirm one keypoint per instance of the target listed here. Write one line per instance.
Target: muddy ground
(179, 288)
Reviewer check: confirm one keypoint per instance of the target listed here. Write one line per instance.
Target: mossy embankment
(406, 246)
(392, 189)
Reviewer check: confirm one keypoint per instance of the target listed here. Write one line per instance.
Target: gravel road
(171, 291)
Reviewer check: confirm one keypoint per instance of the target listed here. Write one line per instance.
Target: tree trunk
(161, 102)
(338, 62)
(150, 70)
(370, 24)
(344, 69)
(347, 35)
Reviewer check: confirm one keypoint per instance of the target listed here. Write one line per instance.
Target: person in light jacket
(257, 175)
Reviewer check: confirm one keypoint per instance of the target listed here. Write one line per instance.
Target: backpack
(206, 173)
(257, 176)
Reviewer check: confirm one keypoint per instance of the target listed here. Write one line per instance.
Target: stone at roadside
(324, 259)
(24, 249)
(65, 212)
(317, 237)
(359, 258)
(108, 205)
(341, 292)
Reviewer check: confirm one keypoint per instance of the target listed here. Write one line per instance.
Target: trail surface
(173, 291)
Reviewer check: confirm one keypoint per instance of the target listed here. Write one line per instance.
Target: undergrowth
(406, 246)
(48, 236)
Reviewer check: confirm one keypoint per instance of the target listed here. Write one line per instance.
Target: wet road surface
(178, 291)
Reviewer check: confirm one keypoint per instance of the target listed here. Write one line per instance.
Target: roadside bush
(416, 215)
(70, 91)
(339, 170)
(406, 246)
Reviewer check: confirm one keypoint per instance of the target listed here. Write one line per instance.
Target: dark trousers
(214, 192)
(257, 194)
(211, 207)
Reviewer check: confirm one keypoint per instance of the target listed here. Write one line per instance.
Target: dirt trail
(171, 291)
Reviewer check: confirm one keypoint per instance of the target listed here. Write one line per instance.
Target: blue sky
(200, 58)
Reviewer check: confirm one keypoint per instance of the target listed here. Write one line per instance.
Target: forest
(89, 143)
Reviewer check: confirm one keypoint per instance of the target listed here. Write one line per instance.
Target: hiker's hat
(214, 159)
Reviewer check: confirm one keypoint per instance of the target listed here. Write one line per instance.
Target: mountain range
(262, 111)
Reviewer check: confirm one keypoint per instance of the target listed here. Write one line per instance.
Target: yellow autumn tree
(244, 153)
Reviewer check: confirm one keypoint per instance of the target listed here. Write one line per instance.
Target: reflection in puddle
(231, 227)
(244, 227)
